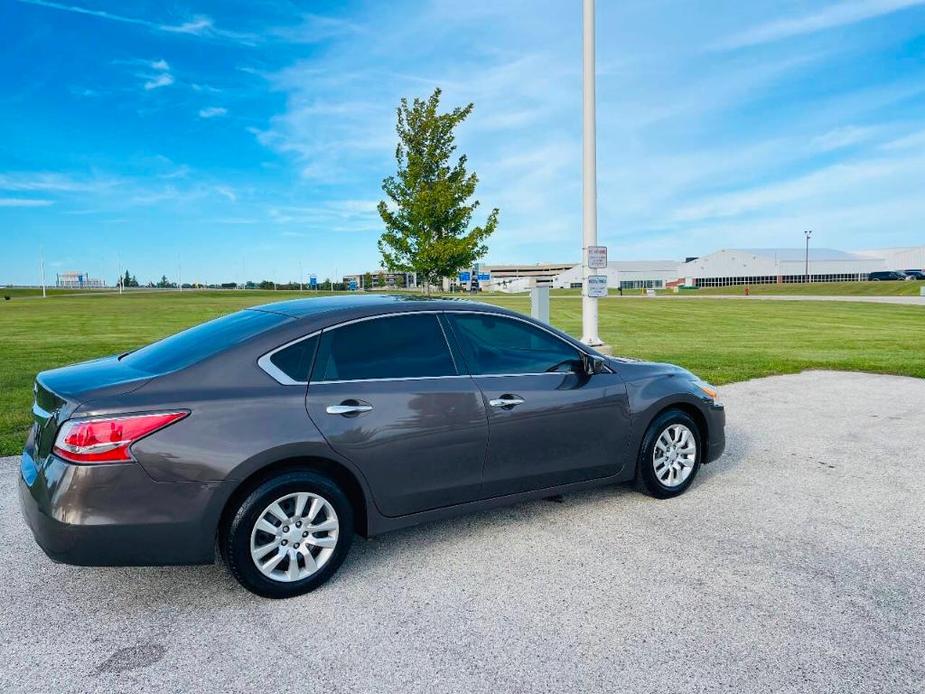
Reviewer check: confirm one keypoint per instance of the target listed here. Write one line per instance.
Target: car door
(549, 422)
(386, 394)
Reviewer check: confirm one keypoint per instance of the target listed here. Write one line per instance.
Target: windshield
(201, 341)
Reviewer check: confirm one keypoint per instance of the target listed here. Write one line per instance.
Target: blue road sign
(465, 276)
(484, 276)
(313, 281)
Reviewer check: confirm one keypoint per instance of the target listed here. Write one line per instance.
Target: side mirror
(591, 364)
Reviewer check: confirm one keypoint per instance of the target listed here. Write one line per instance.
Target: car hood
(632, 369)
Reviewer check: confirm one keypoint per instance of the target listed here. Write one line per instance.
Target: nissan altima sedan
(280, 431)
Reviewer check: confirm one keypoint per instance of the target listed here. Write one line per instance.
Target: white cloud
(839, 183)
(201, 26)
(841, 137)
(226, 193)
(160, 65)
(24, 202)
(829, 17)
(158, 81)
(212, 112)
(55, 182)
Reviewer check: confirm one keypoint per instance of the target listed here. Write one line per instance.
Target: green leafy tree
(429, 210)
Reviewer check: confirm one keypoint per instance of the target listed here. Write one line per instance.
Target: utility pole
(179, 274)
(808, 233)
(119, 265)
(300, 277)
(589, 329)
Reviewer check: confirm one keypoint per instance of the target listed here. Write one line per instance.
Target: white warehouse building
(777, 266)
(625, 274)
(732, 266)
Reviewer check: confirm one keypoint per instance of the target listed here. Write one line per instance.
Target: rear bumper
(716, 426)
(115, 515)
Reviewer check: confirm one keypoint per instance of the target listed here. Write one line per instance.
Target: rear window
(201, 341)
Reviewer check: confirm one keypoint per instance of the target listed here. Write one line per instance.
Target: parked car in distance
(886, 276)
(279, 431)
(915, 274)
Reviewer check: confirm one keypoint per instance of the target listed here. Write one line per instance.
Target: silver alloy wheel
(294, 537)
(674, 455)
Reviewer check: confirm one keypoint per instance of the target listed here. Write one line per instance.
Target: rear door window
(407, 346)
(497, 345)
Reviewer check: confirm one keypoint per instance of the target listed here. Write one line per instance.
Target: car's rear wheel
(670, 455)
(288, 535)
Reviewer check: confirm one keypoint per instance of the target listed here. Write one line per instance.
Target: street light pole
(44, 294)
(589, 176)
(808, 233)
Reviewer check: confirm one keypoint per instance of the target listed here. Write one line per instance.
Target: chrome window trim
(280, 377)
(435, 378)
(273, 371)
(389, 378)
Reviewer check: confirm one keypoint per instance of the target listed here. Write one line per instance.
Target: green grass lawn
(723, 341)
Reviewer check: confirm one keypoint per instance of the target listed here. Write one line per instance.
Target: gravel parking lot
(794, 564)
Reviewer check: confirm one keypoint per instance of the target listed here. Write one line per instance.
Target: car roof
(370, 304)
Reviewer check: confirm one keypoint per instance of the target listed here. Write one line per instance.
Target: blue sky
(235, 137)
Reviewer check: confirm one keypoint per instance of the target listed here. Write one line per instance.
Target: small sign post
(597, 286)
(597, 257)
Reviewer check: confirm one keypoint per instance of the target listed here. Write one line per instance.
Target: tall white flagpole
(589, 329)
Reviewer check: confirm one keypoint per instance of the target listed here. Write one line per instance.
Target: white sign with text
(597, 286)
(597, 257)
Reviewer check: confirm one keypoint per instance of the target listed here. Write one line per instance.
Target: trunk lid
(58, 392)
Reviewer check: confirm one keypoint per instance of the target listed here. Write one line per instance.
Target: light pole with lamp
(808, 233)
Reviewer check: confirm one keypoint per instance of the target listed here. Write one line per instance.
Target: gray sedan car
(280, 431)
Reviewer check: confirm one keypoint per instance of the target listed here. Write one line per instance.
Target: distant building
(380, 279)
(778, 266)
(77, 280)
(518, 278)
(625, 274)
(727, 267)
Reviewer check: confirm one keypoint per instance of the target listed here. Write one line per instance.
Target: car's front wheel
(670, 454)
(288, 535)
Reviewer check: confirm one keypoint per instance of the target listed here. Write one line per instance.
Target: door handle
(348, 408)
(507, 401)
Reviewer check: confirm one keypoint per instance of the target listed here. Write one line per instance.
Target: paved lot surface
(794, 564)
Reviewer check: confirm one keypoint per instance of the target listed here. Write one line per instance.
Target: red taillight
(107, 439)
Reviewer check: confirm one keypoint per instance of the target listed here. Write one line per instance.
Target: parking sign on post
(597, 257)
(597, 286)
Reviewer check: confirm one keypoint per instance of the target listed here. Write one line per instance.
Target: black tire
(235, 539)
(646, 476)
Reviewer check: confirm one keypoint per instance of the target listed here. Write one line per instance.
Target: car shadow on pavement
(382, 556)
